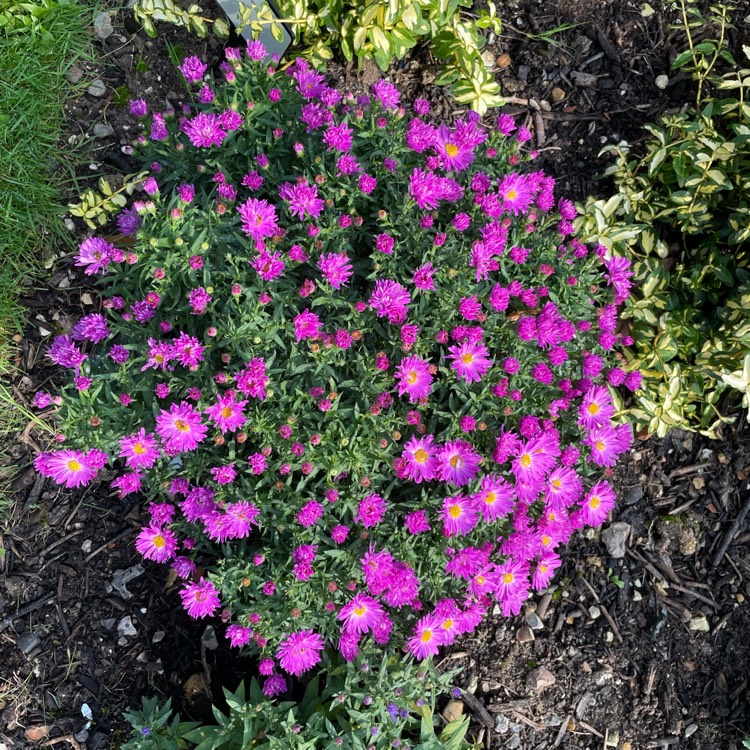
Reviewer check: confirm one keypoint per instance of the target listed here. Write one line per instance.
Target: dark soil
(648, 650)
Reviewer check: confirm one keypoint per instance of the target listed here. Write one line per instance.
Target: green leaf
(382, 47)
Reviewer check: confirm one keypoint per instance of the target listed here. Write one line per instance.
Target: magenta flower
(535, 458)
(470, 361)
(310, 513)
(386, 93)
(227, 414)
(618, 275)
(91, 328)
(428, 637)
(258, 218)
(238, 636)
(336, 268)
(425, 188)
(180, 428)
(71, 468)
(187, 350)
(371, 510)
(596, 408)
(65, 353)
(94, 255)
(338, 137)
(402, 586)
(300, 651)
(413, 377)
(361, 614)
(605, 445)
(564, 487)
(422, 278)
(268, 266)
(545, 568)
(421, 459)
(193, 69)
(274, 685)
(302, 199)
(458, 515)
(512, 588)
(139, 449)
(458, 462)
(597, 503)
(516, 193)
(390, 299)
(416, 522)
(495, 499)
(307, 325)
(200, 599)
(454, 154)
(204, 130)
(240, 517)
(156, 543)
(252, 380)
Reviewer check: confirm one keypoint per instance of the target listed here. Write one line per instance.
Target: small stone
(502, 61)
(502, 724)
(615, 539)
(609, 636)
(662, 82)
(86, 299)
(633, 495)
(496, 610)
(539, 679)
(557, 94)
(209, 639)
(102, 26)
(699, 482)
(524, 634)
(74, 75)
(453, 711)
(699, 623)
(158, 636)
(28, 642)
(86, 546)
(126, 628)
(584, 80)
(637, 596)
(102, 130)
(488, 58)
(690, 730)
(81, 736)
(523, 73)
(594, 612)
(534, 621)
(97, 88)
(108, 623)
(514, 742)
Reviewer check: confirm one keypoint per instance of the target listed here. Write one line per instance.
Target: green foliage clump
(353, 710)
(682, 211)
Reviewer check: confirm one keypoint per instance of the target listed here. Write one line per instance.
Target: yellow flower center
(258, 220)
(595, 502)
(359, 611)
(490, 498)
(593, 408)
(508, 578)
(599, 445)
(182, 425)
(420, 456)
(159, 541)
(200, 596)
(74, 465)
(546, 540)
(542, 568)
(467, 358)
(159, 358)
(526, 460)
(557, 484)
(411, 378)
(226, 412)
(511, 195)
(447, 624)
(138, 449)
(454, 511)
(456, 462)
(451, 149)
(481, 580)
(426, 635)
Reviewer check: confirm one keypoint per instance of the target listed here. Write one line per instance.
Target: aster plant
(356, 361)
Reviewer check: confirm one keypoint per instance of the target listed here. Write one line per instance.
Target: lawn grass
(35, 56)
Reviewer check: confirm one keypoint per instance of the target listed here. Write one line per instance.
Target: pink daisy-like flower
(310, 513)
(422, 278)
(402, 586)
(307, 325)
(416, 522)
(516, 193)
(458, 515)
(227, 413)
(269, 266)
(426, 188)
(428, 637)
(470, 360)
(336, 268)
(545, 568)
(94, 255)
(512, 588)
(390, 299)
(458, 462)
(454, 154)
(597, 503)
(70, 467)
(238, 636)
(371, 510)
(258, 218)
(180, 428)
(596, 408)
(605, 445)
(413, 377)
(618, 275)
(204, 130)
(241, 516)
(535, 458)
(302, 199)
(361, 614)
(495, 498)
(200, 599)
(274, 685)
(139, 449)
(156, 543)
(338, 137)
(300, 651)
(421, 459)
(193, 69)
(564, 487)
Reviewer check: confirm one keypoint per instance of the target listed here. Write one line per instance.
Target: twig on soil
(612, 624)
(590, 729)
(65, 737)
(695, 594)
(562, 731)
(63, 622)
(104, 546)
(529, 723)
(60, 541)
(722, 622)
(686, 471)
(478, 708)
(501, 708)
(732, 533)
(23, 611)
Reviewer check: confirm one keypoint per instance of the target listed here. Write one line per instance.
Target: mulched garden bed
(644, 646)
